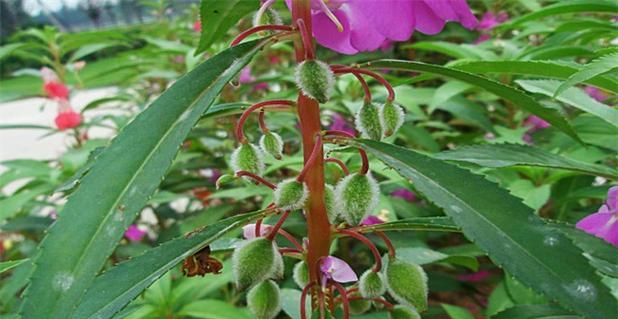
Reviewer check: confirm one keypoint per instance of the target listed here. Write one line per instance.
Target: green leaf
(458, 51)
(602, 65)
(13, 204)
(572, 96)
(537, 68)
(6, 50)
(564, 7)
(440, 224)
(118, 286)
(513, 95)
(457, 312)
(118, 185)
(213, 309)
(217, 17)
(500, 224)
(7, 265)
(505, 155)
(535, 312)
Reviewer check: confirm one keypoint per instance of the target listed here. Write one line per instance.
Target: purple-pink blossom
(134, 234)
(339, 124)
(535, 123)
(404, 194)
(337, 270)
(604, 223)
(595, 93)
(371, 220)
(491, 20)
(248, 231)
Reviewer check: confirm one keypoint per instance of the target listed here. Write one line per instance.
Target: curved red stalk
(365, 160)
(260, 28)
(365, 87)
(344, 299)
(258, 226)
(262, 123)
(285, 250)
(303, 299)
(377, 77)
(317, 151)
(304, 34)
(257, 178)
(368, 243)
(278, 225)
(388, 243)
(341, 164)
(240, 134)
(291, 238)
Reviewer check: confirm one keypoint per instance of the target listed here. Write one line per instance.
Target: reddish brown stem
(389, 244)
(258, 226)
(260, 28)
(285, 250)
(262, 123)
(365, 86)
(291, 238)
(365, 160)
(341, 164)
(278, 225)
(344, 299)
(374, 250)
(256, 178)
(317, 151)
(377, 77)
(240, 134)
(303, 299)
(304, 34)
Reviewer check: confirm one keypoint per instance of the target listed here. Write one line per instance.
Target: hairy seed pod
(271, 143)
(329, 203)
(291, 194)
(403, 312)
(248, 157)
(356, 196)
(391, 118)
(367, 121)
(224, 179)
(264, 300)
(407, 283)
(254, 261)
(301, 274)
(371, 284)
(359, 306)
(315, 79)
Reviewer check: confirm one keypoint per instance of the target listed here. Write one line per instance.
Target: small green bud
(403, 312)
(301, 274)
(271, 143)
(248, 157)
(407, 283)
(368, 121)
(315, 79)
(291, 194)
(264, 300)
(224, 179)
(254, 261)
(356, 196)
(391, 118)
(329, 203)
(359, 306)
(371, 284)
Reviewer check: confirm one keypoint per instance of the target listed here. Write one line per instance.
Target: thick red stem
(317, 151)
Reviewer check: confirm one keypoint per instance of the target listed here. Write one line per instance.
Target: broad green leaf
(7, 265)
(89, 49)
(214, 309)
(440, 224)
(6, 50)
(500, 224)
(550, 52)
(513, 95)
(572, 96)
(564, 7)
(119, 183)
(602, 65)
(535, 312)
(536, 68)
(217, 17)
(504, 155)
(459, 51)
(595, 131)
(290, 303)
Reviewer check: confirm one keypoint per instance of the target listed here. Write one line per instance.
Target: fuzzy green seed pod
(391, 118)
(407, 283)
(248, 157)
(264, 300)
(224, 179)
(301, 274)
(359, 306)
(271, 143)
(367, 121)
(254, 261)
(291, 194)
(315, 79)
(403, 312)
(371, 284)
(356, 196)
(329, 203)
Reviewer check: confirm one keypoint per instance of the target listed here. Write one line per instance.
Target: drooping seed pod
(359, 306)
(301, 274)
(403, 312)
(224, 179)
(329, 203)
(371, 284)
(315, 79)
(248, 157)
(407, 283)
(356, 196)
(264, 300)
(391, 118)
(254, 261)
(271, 143)
(291, 194)
(368, 122)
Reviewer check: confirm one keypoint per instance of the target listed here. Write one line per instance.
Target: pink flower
(596, 93)
(482, 38)
(404, 193)
(604, 223)
(245, 76)
(339, 124)
(371, 220)
(56, 90)
(67, 120)
(337, 270)
(352, 26)
(48, 75)
(197, 26)
(491, 20)
(535, 123)
(475, 277)
(134, 234)
(248, 231)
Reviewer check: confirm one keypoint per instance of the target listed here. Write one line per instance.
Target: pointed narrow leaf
(438, 224)
(535, 312)
(218, 16)
(118, 185)
(7, 265)
(602, 65)
(564, 7)
(500, 224)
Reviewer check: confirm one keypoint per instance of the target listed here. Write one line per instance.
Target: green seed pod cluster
(271, 143)
(371, 284)
(391, 118)
(407, 283)
(248, 157)
(264, 300)
(368, 122)
(291, 194)
(315, 79)
(356, 196)
(301, 274)
(255, 261)
(359, 306)
(403, 312)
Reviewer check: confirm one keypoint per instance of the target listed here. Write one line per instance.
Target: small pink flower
(48, 75)
(491, 20)
(337, 270)
(67, 120)
(79, 65)
(535, 123)
(197, 26)
(405, 194)
(134, 234)
(260, 86)
(475, 277)
(482, 38)
(604, 223)
(596, 93)
(56, 90)
(248, 231)
(245, 76)
(371, 220)
(339, 124)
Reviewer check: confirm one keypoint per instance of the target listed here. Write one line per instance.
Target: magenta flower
(245, 76)
(596, 94)
(339, 124)
(371, 220)
(491, 20)
(482, 38)
(404, 193)
(604, 223)
(134, 234)
(337, 270)
(248, 231)
(535, 123)
(352, 26)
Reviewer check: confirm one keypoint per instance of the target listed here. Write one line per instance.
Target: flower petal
(327, 35)
(426, 20)
(248, 231)
(594, 223)
(394, 19)
(612, 199)
(363, 36)
(337, 270)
